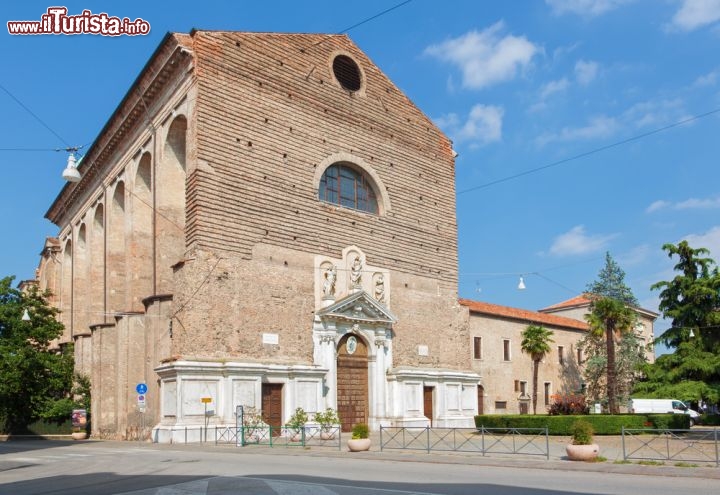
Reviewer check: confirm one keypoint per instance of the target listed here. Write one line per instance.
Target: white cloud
(554, 87)
(598, 127)
(576, 241)
(483, 125)
(710, 240)
(655, 113)
(585, 72)
(586, 8)
(486, 58)
(709, 79)
(448, 121)
(657, 205)
(635, 256)
(688, 204)
(694, 14)
(693, 203)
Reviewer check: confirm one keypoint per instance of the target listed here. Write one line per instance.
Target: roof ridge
(523, 314)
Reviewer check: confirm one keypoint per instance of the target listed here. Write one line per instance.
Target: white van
(660, 406)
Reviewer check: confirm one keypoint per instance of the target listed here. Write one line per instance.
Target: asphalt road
(97, 467)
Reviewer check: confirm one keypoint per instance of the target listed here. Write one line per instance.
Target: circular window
(347, 72)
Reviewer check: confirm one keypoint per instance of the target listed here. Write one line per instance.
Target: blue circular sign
(141, 388)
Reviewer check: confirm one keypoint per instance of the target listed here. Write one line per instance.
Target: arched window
(346, 186)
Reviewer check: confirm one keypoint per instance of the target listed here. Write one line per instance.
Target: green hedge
(710, 419)
(42, 428)
(603, 424)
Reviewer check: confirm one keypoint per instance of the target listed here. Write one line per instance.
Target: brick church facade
(265, 220)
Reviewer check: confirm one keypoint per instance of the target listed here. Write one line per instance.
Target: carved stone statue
(330, 276)
(379, 290)
(356, 272)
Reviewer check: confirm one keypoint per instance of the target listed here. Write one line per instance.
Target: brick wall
(267, 116)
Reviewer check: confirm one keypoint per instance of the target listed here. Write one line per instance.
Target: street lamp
(71, 173)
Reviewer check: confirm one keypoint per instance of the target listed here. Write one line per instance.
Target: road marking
(291, 488)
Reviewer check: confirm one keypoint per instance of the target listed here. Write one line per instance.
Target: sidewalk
(610, 448)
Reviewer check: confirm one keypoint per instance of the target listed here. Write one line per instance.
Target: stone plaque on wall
(244, 393)
(307, 393)
(169, 399)
(413, 394)
(452, 392)
(193, 391)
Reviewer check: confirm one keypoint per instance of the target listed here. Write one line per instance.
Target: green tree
(691, 301)
(630, 357)
(536, 343)
(612, 316)
(35, 381)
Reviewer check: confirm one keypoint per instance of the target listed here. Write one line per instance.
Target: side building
(265, 220)
(496, 336)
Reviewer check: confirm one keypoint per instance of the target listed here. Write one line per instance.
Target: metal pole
(482, 436)
(428, 439)
(381, 442)
(717, 458)
(622, 432)
(547, 444)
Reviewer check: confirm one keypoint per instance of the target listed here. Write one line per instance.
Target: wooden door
(428, 403)
(272, 406)
(481, 399)
(352, 381)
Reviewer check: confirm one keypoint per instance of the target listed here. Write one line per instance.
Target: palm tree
(536, 343)
(610, 317)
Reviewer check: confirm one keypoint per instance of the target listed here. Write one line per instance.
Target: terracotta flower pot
(327, 435)
(358, 444)
(582, 452)
(79, 435)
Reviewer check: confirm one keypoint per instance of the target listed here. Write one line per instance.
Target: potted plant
(328, 421)
(360, 438)
(582, 447)
(296, 423)
(79, 424)
(254, 428)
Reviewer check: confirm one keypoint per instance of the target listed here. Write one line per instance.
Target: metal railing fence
(694, 445)
(514, 441)
(269, 436)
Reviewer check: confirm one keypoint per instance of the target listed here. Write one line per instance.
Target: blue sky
(518, 86)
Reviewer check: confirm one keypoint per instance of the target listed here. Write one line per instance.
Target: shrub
(669, 421)
(328, 418)
(710, 419)
(297, 420)
(360, 430)
(582, 433)
(568, 404)
(603, 424)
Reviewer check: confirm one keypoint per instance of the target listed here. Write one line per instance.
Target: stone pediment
(358, 307)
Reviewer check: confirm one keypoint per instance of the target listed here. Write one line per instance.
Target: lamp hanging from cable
(26, 315)
(71, 173)
(521, 284)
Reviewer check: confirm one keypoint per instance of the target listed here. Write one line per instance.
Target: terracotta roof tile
(580, 300)
(523, 314)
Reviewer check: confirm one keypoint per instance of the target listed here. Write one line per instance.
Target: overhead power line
(33, 114)
(364, 21)
(591, 152)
